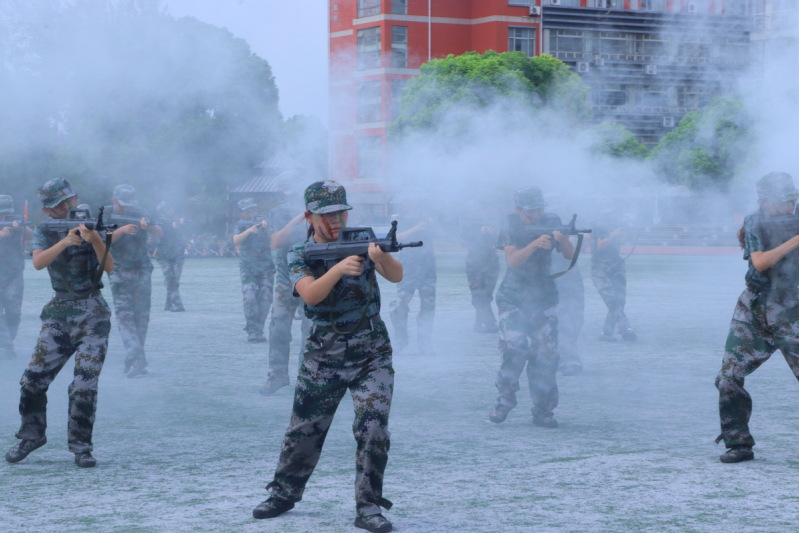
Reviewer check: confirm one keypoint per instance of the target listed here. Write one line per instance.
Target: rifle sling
(574, 257)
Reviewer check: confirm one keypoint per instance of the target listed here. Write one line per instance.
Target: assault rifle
(75, 217)
(8, 221)
(123, 220)
(531, 233)
(355, 241)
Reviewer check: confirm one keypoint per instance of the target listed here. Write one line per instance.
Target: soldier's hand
(560, 237)
(544, 242)
(350, 266)
(6, 232)
(88, 235)
(143, 223)
(73, 238)
(376, 254)
(129, 229)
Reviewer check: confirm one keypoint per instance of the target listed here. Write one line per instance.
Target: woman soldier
(348, 348)
(766, 317)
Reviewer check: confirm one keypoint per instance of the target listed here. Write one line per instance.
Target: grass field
(190, 446)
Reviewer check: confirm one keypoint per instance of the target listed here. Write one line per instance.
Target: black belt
(370, 323)
(67, 296)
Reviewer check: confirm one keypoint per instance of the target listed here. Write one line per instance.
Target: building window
(399, 7)
(368, 8)
(522, 40)
(610, 94)
(399, 46)
(653, 5)
(369, 48)
(613, 43)
(521, 2)
(369, 147)
(397, 87)
(370, 101)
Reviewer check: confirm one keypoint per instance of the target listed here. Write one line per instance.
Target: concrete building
(647, 62)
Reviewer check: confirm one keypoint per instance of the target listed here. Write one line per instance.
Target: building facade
(647, 62)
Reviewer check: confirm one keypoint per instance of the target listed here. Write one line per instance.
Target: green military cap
(776, 187)
(6, 205)
(529, 198)
(125, 195)
(326, 197)
(55, 191)
(247, 203)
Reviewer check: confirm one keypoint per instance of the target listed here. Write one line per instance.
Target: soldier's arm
(767, 259)
(314, 290)
(385, 264)
(44, 258)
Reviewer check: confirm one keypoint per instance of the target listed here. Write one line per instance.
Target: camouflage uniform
(766, 319)
(12, 262)
(257, 270)
(71, 324)
(171, 255)
(285, 304)
(131, 287)
(527, 301)
(482, 273)
(419, 275)
(348, 349)
(609, 275)
(571, 312)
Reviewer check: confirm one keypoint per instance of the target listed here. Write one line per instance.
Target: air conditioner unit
(582, 66)
(692, 8)
(535, 11)
(554, 2)
(599, 61)
(668, 122)
(651, 69)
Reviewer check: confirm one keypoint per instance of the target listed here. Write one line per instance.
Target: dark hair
(310, 230)
(741, 236)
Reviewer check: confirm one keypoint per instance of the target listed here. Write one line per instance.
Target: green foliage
(705, 150)
(616, 140)
(117, 91)
(472, 81)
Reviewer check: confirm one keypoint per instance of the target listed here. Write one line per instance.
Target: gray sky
(291, 35)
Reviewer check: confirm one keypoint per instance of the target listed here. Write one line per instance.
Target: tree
(117, 91)
(617, 141)
(472, 81)
(706, 149)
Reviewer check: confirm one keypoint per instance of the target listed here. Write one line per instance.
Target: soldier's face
(530, 216)
(781, 208)
(61, 210)
(328, 225)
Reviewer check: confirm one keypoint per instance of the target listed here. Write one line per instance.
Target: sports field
(190, 446)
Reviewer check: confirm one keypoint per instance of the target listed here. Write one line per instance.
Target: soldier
(131, 280)
(254, 241)
(13, 236)
(482, 269)
(765, 317)
(571, 313)
(284, 307)
(348, 348)
(527, 302)
(420, 275)
(76, 321)
(171, 254)
(608, 272)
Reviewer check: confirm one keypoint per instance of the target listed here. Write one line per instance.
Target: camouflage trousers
(79, 327)
(131, 290)
(332, 364)
(172, 269)
(571, 313)
(284, 308)
(256, 289)
(10, 311)
(530, 339)
(611, 283)
(760, 326)
(399, 310)
(482, 273)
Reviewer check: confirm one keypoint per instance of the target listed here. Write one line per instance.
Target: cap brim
(60, 199)
(331, 209)
(132, 203)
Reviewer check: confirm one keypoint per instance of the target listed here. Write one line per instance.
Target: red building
(624, 49)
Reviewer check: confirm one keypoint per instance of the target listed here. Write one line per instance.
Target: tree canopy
(617, 141)
(474, 81)
(105, 92)
(707, 147)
